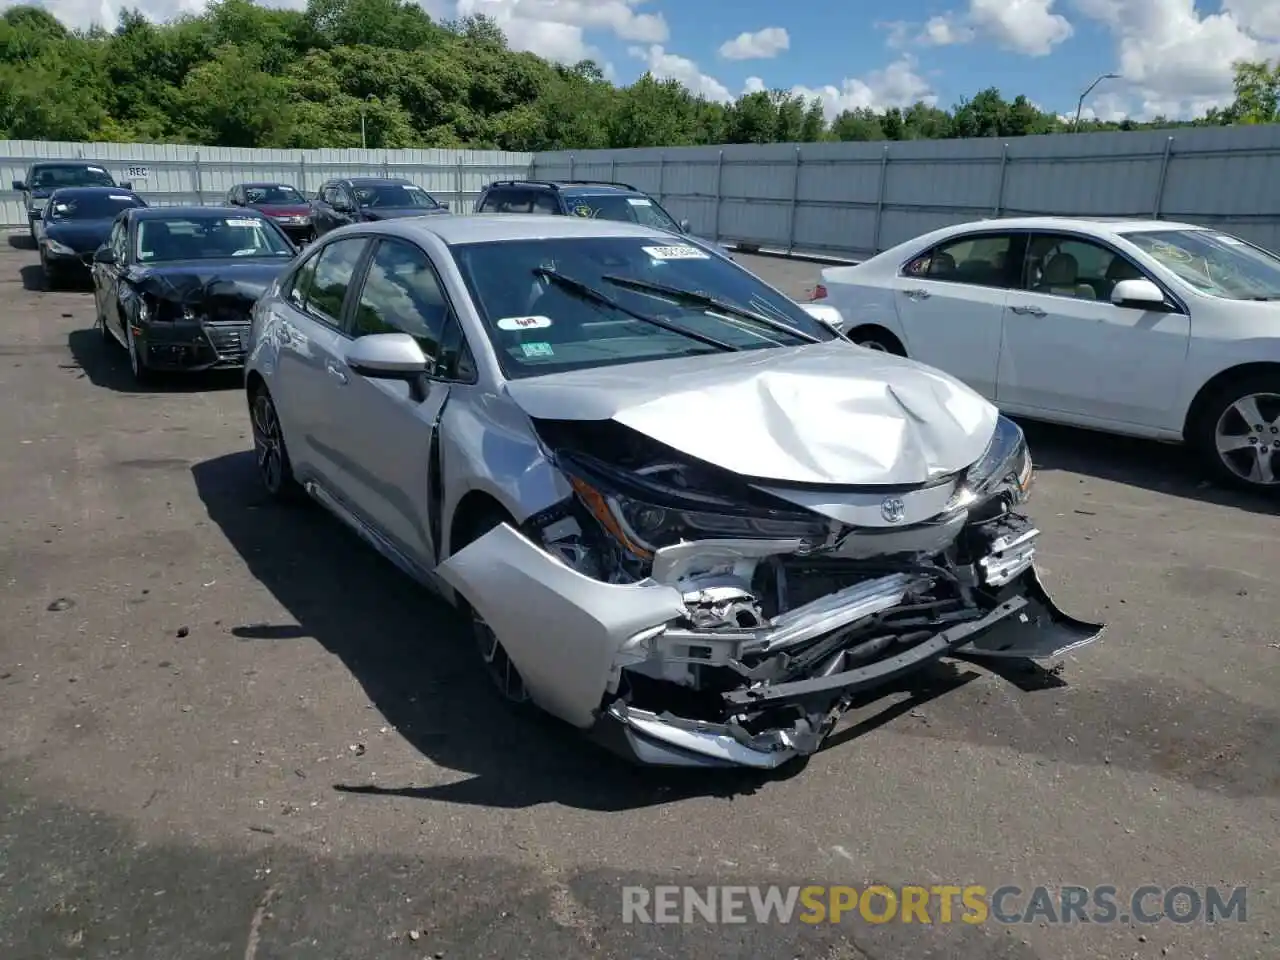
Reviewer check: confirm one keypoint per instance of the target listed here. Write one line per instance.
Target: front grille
(229, 340)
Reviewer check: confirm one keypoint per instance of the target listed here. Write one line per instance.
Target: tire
(504, 678)
(1237, 433)
(50, 277)
(271, 456)
(142, 374)
(877, 338)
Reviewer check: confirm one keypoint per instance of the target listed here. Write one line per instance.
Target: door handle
(1028, 311)
(918, 294)
(335, 371)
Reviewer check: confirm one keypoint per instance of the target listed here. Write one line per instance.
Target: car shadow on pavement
(411, 653)
(33, 279)
(107, 365)
(1160, 467)
(21, 241)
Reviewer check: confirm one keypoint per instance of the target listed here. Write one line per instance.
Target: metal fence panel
(856, 199)
(176, 174)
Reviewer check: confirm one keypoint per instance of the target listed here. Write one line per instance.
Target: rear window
(52, 176)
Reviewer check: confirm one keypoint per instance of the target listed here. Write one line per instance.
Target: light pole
(364, 144)
(1088, 90)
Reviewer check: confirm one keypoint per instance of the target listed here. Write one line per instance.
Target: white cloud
(1175, 60)
(1024, 26)
(669, 66)
(761, 45)
(754, 85)
(897, 85)
(556, 29)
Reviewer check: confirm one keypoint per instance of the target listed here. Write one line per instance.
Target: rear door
(106, 276)
(385, 429)
(951, 301)
(323, 214)
(311, 373)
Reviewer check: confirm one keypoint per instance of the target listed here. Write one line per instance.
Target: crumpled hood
(828, 413)
(82, 236)
(395, 213)
(194, 281)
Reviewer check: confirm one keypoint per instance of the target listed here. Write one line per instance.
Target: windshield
(393, 195)
(69, 175)
(274, 194)
(618, 206)
(539, 326)
(101, 206)
(1214, 263)
(209, 238)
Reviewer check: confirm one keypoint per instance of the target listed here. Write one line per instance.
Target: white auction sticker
(242, 223)
(524, 323)
(676, 253)
(121, 196)
(639, 202)
(1230, 241)
(96, 169)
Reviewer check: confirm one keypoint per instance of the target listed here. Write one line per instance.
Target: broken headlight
(1005, 467)
(649, 509)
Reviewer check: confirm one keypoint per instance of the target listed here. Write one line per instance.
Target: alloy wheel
(268, 443)
(506, 678)
(1247, 438)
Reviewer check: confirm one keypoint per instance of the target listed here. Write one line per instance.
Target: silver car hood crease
(828, 413)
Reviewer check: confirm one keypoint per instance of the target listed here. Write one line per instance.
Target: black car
(340, 202)
(174, 285)
(74, 224)
(596, 199)
(49, 175)
(281, 202)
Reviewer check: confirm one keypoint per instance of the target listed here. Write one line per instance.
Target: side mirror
(389, 356)
(19, 186)
(686, 226)
(1142, 294)
(827, 314)
(104, 255)
(126, 184)
(445, 204)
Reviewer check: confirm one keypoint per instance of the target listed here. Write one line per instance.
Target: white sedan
(1140, 327)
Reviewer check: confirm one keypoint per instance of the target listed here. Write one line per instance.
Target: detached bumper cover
(195, 346)
(572, 636)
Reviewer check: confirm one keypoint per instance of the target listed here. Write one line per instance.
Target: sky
(1172, 57)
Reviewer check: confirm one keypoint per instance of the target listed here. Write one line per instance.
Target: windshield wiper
(711, 303)
(592, 295)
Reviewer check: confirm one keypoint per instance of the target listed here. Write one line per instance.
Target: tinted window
(52, 176)
(335, 266)
(393, 195)
(490, 203)
(101, 206)
(302, 281)
(1068, 266)
(981, 260)
(1214, 263)
(209, 238)
(512, 201)
(402, 295)
(271, 193)
(539, 327)
(618, 206)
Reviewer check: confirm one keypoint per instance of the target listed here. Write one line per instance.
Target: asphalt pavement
(228, 729)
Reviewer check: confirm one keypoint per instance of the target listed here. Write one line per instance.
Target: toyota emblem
(893, 509)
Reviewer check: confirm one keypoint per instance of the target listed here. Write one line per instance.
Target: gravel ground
(230, 730)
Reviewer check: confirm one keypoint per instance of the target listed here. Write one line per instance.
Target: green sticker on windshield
(538, 348)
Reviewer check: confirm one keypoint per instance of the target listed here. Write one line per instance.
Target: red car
(281, 202)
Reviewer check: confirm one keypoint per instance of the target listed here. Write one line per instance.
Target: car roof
(264, 183)
(1095, 225)
(176, 212)
(499, 227)
(571, 187)
(356, 181)
(68, 163)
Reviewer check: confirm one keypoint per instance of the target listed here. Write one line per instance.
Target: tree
(1257, 89)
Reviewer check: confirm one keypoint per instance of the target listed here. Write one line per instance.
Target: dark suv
(46, 176)
(340, 202)
(595, 199)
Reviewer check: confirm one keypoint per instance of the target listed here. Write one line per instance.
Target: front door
(386, 430)
(311, 376)
(106, 279)
(950, 301)
(1067, 349)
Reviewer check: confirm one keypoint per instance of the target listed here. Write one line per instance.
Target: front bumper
(79, 263)
(194, 346)
(594, 653)
(299, 233)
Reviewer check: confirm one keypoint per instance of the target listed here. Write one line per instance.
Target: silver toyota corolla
(679, 509)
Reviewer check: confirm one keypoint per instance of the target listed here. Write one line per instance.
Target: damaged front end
(689, 617)
(194, 322)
